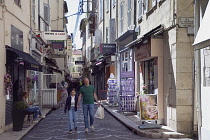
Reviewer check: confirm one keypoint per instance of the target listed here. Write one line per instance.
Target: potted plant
(18, 115)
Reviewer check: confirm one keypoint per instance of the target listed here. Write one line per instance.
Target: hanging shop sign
(57, 44)
(79, 62)
(107, 48)
(54, 35)
(142, 51)
(127, 74)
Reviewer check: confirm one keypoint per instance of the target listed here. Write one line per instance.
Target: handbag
(99, 113)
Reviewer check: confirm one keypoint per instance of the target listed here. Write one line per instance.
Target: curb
(32, 126)
(144, 132)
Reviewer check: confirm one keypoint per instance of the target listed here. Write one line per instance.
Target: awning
(158, 29)
(56, 70)
(125, 35)
(29, 62)
(51, 62)
(203, 36)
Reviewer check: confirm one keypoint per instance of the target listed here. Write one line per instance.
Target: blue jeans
(35, 110)
(88, 108)
(72, 114)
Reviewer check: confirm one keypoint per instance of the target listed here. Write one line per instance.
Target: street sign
(54, 35)
(79, 62)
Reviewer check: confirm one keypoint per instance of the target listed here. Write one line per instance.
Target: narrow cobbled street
(55, 127)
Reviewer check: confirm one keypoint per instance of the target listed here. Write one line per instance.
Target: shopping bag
(99, 113)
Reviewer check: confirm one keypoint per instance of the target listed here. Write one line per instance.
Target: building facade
(201, 47)
(153, 54)
(24, 53)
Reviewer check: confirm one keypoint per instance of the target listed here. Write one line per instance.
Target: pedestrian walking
(88, 93)
(71, 107)
(64, 95)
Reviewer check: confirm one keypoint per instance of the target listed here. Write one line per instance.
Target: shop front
(149, 73)
(17, 64)
(127, 79)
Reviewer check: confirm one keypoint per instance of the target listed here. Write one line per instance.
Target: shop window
(35, 87)
(150, 76)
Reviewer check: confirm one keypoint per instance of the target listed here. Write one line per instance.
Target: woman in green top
(88, 93)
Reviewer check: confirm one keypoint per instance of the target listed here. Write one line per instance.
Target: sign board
(107, 48)
(54, 35)
(148, 107)
(57, 44)
(186, 22)
(127, 74)
(16, 38)
(143, 51)
(79, 62)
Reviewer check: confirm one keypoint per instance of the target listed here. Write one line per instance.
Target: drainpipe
(198, 70)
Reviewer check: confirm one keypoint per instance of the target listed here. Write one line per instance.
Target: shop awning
(56, 70)
(29, 62)
(203, 36)
(51, 62)
(125, 35)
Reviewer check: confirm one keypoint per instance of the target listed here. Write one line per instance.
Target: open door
(49, 90)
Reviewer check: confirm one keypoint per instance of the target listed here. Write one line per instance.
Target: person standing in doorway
(88, 93)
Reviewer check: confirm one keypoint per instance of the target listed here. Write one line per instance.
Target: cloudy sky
(72, 9)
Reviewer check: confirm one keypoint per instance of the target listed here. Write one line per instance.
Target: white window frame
(107, 5)
(113, 3)
(129, 12)
(140, 8)
(107, 34)
(154, 2)
(145, 6)
(46, 28)
(34, 9)
(127, 61)
(121, 16)
(100, 10)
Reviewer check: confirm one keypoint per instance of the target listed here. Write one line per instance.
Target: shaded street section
(55, 126)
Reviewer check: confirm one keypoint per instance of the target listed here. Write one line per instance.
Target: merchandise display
(127, 96)
(112, 91)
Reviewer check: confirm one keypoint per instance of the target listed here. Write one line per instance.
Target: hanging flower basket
(7, 85)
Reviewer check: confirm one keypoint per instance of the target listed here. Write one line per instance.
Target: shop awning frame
(157, 29)
(56, 70)
(202, 38)
(29, 62)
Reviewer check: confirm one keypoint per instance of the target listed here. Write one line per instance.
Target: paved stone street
(55, 126)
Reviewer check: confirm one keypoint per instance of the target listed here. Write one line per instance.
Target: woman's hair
(24, 93)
